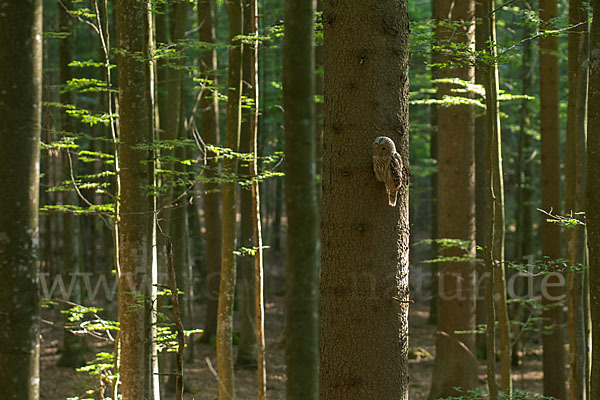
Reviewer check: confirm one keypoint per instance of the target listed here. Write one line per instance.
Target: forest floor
(62, 383)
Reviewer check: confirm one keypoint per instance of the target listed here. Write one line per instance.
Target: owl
(387, 164)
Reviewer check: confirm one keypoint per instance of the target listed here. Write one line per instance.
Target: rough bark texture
(302, 263)
(212, 195)
(364, 272)
(553, 341)
(575, 197)
(20, 122)
(592, 206)
(133, 211)
(456, 364)
(228, 223)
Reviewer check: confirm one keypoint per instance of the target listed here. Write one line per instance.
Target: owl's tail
(392, 196)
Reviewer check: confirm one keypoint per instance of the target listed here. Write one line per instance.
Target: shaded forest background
(196, 174)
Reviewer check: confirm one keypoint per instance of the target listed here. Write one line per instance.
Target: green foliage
(419, 353)
(463, 246)
(248, 251)
(545, 266)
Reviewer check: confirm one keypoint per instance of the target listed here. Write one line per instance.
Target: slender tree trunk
(151, 351)
(229, 202)
(456, 364)
(247, 351)
(499, 219)
(133, 211)
(553, 340)
(259, 323)
(524, 174)
(302, 269)
(495, 146)
(592, 195)
(20, 122)
(480, 191)
(175, 218)
(575, 196)
(212, 195)
(433, 151)
(72, 352)
(364, 271)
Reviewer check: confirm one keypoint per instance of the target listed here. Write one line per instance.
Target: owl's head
(383, 146)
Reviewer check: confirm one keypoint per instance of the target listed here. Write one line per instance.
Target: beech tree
(553, 340)
(134, 216)
(229, 207)
(302, 269)
(212, 195)
(575, 196)
(592, 207)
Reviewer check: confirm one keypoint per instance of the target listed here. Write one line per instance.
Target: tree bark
(433, 151)
(229, 203)
(493, 117)
(212, 195)
(456, 364)
(247, 351)
(302, 269)
(553, 340)
(496, 191)
(20, 122)
(592, 195)
(364, 270)
(524, 175)
(575, 196)
(133, 211)
(480, 191)
(152, 378)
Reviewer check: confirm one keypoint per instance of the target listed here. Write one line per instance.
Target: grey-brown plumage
(387, 165)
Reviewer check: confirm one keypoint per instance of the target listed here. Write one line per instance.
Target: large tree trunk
(302, 269)
(364, 272)
(212, 195)
(20, 122)
(552, 341)
(133, 211)
(592, 206)
(455, 365)
(228, 224)
(575, 196)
